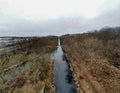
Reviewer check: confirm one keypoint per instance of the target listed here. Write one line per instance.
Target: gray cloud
(18, 26)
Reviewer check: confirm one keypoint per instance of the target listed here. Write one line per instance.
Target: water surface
(63, 79)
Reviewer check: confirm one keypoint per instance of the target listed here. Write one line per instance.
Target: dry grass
(99, 54)
(33, 79)
(34, 46)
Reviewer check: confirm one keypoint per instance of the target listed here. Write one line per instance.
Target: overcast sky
(56, 17)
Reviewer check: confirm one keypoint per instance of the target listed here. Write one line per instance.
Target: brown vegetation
(38, 76)
(95, 60)
(26, 49)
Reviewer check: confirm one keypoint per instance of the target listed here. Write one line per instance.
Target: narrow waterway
(13, 72)
(63, 79)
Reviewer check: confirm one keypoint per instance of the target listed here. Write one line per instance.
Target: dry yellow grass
(40, 71)
(95, 60)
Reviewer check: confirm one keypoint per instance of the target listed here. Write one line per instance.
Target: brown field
(94, 60)
(38, 76)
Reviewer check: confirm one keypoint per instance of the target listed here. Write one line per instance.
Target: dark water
(5, 76)
(13, 72)
(63, 79)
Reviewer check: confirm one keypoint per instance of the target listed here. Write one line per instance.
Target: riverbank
(63, 79)
(36, 75)
(34, 79)
(94, 60)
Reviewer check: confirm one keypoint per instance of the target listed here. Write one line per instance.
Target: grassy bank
(27, 50)
(38, 76)
(95, 60)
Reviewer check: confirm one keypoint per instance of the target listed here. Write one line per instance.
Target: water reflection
(62, 75)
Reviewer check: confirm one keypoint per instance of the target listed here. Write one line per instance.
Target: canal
(63, 79)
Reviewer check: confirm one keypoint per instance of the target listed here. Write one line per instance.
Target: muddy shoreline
(71, 70)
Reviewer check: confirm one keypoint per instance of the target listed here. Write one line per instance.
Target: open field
(94, 59)
(29, 67)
